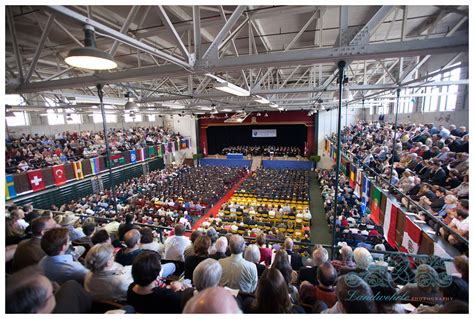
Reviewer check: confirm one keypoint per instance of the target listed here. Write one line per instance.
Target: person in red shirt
(325, 291)
(265, 253)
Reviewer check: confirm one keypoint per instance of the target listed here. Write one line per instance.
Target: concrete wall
(328, 125)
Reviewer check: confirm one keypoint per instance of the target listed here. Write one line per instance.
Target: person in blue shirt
(57, 265)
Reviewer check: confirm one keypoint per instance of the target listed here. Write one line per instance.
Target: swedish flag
(10, 191)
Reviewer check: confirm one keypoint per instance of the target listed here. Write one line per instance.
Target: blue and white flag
(365, 193)
(133, 156)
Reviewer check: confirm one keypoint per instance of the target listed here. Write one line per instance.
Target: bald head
(132, 238)
(212, 300)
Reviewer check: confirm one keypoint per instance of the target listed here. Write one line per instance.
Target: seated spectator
(426, 288)
(384, 286)
(206, 275)
(107, 280)
(272, 295)
(221, 248)
(68, 221)
(57, 265)
(460, 224)
(201, 252)
(88, 229)
(101, 237)
(296, 261)
(29, 291)
(252, 254)
(126, 255)
(237, 273)
(189, 251)
(147, 294)
(175, 245)
(325, 289)
(462, 266)
(282, 263)
(147, 241)
(363, 259)
(345, 258)
(320, 256)
(356, 298)
(125, 227)
(28, 251)
(213, 300)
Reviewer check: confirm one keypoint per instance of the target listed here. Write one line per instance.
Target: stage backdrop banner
(264, 133)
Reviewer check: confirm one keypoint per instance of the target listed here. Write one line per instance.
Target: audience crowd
(29, 151)
(263, 150)
(217, 275)
(430, 166)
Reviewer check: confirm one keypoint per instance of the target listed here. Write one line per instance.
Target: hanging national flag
(36, 180)
(77, 167)
(95, 167)
(151, 151)
(365, 193)
(173, 147)
(141, 154)
(117, 160)
(326, 146)
(375, 206)
(352, 178)
(390, 222)
(183, 144)
(411, 237)
(59, 175)
(188, 142)
(358, 183)
(177, 146)
(133, 156)
(10, 191)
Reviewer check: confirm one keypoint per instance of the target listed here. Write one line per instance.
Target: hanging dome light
(346, 94)
(130, 105)
(89, 57)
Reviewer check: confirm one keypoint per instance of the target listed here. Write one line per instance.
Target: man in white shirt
(175, 245)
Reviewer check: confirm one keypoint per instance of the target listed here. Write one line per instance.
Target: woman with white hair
(221, 248)
(363, 259)
(252, 254)
(106, 279)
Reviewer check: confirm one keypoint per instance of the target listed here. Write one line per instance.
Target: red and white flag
(411, 237)
(390, 222)
(59, 175)
(36, 180)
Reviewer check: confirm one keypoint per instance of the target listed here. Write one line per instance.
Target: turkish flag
(59, 175)
(36, 180)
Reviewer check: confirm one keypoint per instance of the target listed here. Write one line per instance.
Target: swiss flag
(59, 175)
(36, 180)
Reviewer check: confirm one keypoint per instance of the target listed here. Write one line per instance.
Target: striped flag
(95, 165)
(77, 167)
(184, 144)
(390, 222)
(177, 145)
(160, 149)
(141, 154)
(10, 191)
(188, 142)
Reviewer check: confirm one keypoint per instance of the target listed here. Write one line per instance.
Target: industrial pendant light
(130, 105)
(89, 57)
